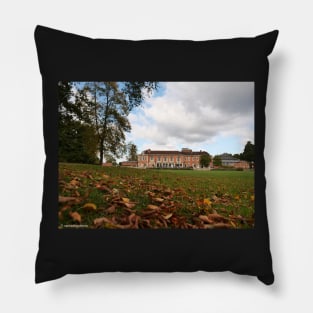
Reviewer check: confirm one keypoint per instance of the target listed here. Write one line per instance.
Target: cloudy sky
(214, 116)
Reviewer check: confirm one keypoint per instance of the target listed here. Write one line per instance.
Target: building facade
(228, 160)
(186, 158)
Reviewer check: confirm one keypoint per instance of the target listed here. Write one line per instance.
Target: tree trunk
(101, 148)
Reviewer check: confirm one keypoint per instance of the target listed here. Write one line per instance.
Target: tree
(109, 104)
(238, 156)
(110, 159)
(217, 160)
(205, 160)
(132, 152)
(249, 153)
(76, 139)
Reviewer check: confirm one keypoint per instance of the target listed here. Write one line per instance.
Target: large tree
(76, 139)
(249, 153)
(205, 160)
(217, 160)
(132, 152)
(103, 106)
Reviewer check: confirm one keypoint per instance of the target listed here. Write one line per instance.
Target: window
(164, 159)
(159, 159)
(178, 159)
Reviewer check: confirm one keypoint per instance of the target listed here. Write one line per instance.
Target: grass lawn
(92, 196)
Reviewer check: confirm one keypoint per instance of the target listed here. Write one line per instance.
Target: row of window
(164, 159)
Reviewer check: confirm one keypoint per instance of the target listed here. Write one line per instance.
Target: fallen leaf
(236, 197)
(103, 188)
(129, 205)
(204, 218)
(207, 202)
(125, 200)
(159, 200)
(217, 217)
(168, 216)
(76, 217)
(233, 224)
(66, 199)
(74, 182)
(222, 225)
(252, 198)
(101, 220)
(90, 206)
(111, 209)
(153, 207)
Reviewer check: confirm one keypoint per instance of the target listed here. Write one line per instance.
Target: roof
(227, 156)
(190, 152)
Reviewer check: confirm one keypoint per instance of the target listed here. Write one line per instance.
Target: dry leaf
(217, 217)
(129, 205)
(204, 218)
(222, 225)
(168, 216)
(111, 209)
(76, 217)
(90, 206)
(101, 220)
(252, 198)
(159, 200)
(153, 207)
(125, 200)
(207, 202)
(74, 182)
(66, 199)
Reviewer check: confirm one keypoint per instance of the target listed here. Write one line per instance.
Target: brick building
(186, 158)
(228, 160)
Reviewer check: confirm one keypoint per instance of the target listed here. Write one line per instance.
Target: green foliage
(205, 160)
(249, 153)
(217, 160)
(132, 152)
(93, 118)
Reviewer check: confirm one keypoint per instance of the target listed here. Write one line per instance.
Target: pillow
(186, 198)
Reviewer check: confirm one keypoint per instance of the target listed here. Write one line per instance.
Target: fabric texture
(69, 57)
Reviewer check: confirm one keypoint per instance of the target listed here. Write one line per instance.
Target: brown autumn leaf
(129, 205)
(103, 188)
(167, 216)
(204, 218)
(101, 220)
(167, 191)
(66, 199)
(76, 217)
(74, 182)
(217, 217)
(153, 207)
(126, 200)
(111, 209)
(90, 207)
(65, 207)
(158, 200)
(222, 225)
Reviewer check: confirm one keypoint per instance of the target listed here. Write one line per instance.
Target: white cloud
(195, 114)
